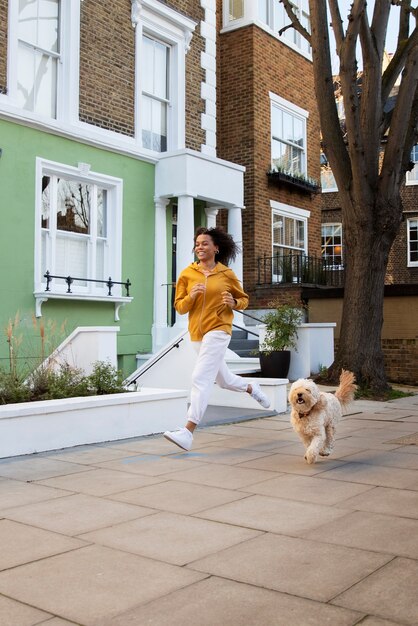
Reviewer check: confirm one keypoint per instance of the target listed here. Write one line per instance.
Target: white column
(235, 229)
(185, 238)
(159, 327)
(211, 213)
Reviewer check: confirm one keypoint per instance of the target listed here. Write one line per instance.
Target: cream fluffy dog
(314, 414)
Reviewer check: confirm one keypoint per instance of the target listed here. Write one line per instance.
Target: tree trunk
(359, 347)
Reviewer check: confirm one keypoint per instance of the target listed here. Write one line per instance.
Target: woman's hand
(196, 289)
(227, 298)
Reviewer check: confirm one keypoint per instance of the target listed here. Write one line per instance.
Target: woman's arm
(239, 295)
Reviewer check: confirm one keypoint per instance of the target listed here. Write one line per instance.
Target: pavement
(240, 531)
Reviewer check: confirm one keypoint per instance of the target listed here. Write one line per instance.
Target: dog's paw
(325, 452)
(310, 457)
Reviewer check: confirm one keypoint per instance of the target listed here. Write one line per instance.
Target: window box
(294, 183)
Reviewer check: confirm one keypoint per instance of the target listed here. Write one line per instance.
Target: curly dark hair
(228, 249)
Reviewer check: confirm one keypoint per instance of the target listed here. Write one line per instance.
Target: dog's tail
(347, 387)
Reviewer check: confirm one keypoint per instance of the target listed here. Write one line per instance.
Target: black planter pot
(275, 364)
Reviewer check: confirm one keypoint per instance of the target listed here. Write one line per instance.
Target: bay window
(78, 229)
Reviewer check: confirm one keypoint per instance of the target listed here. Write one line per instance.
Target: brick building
(267, 120)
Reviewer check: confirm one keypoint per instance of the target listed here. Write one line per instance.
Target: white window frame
(294, 213)
(412, 176)
(114, 188)
(408, 252)
(251, 16)
(158, 21)
(335, 224)
(295, 111)
(67, 71)
(324, 163)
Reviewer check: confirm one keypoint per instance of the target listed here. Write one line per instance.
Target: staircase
(242, 345)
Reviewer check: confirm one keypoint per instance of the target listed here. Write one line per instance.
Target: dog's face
(303, 395)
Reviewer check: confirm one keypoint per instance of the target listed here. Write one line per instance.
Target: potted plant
(278, 336)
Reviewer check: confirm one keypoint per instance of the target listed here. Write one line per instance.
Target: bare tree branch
(295, 22)
(336, 24)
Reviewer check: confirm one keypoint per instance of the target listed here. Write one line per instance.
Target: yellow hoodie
(207, 311)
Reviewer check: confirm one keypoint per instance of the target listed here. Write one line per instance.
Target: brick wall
(107, 68)
(107, 65)
(251, 63)
(3, 47)
(397, 271)
(399, 333)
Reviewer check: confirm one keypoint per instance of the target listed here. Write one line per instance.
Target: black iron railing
(296, 268)
(70, 279)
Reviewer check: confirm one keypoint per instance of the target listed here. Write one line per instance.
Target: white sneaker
(182, 437)
(258, 395)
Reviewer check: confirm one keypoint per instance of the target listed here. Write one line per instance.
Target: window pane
(100, 251)
(263, 10)
(101, 212)
(146, 121)
(73, 206)
(48, 24)
(287, 127)
(38, 23)
(277, 122)
(160, 70)
(147, 65)
(36, 81)
(236, 9)
(46, 201)
(278, 229)
(71, 258)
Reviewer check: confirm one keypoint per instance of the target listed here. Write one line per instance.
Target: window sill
(44, 296)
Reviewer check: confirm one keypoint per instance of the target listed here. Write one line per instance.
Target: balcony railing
(70, 279)
(296, 268)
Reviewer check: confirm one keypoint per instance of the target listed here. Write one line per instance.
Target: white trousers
(210, 367)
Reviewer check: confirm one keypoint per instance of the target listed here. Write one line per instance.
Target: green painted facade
(20, 146)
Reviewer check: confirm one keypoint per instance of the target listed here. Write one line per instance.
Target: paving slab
(371, 531)
(392, 458)
(251, 443)
(179, 497)
(274, 514)
(296, 566)
(150, 464)
(230, 477)
(282, 462)
(377, 475)
(21, 543)
(93, 583)
(399, 502)
(99, 482)
(36, 467)
(76, 514)
(228, 603)
(390, 593)
(309, 489)
(224, 456)
(17, 493)
(169, 537)
(14, 613)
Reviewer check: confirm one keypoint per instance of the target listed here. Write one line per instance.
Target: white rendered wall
(85, 345)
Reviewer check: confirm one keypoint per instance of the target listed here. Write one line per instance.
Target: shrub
(105, 379)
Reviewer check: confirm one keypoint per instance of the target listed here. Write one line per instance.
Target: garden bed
(30, 427)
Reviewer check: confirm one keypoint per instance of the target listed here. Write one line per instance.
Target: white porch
(187, 176)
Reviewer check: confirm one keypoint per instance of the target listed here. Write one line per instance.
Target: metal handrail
(175, 345)
(70, 279)
(298, 268)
